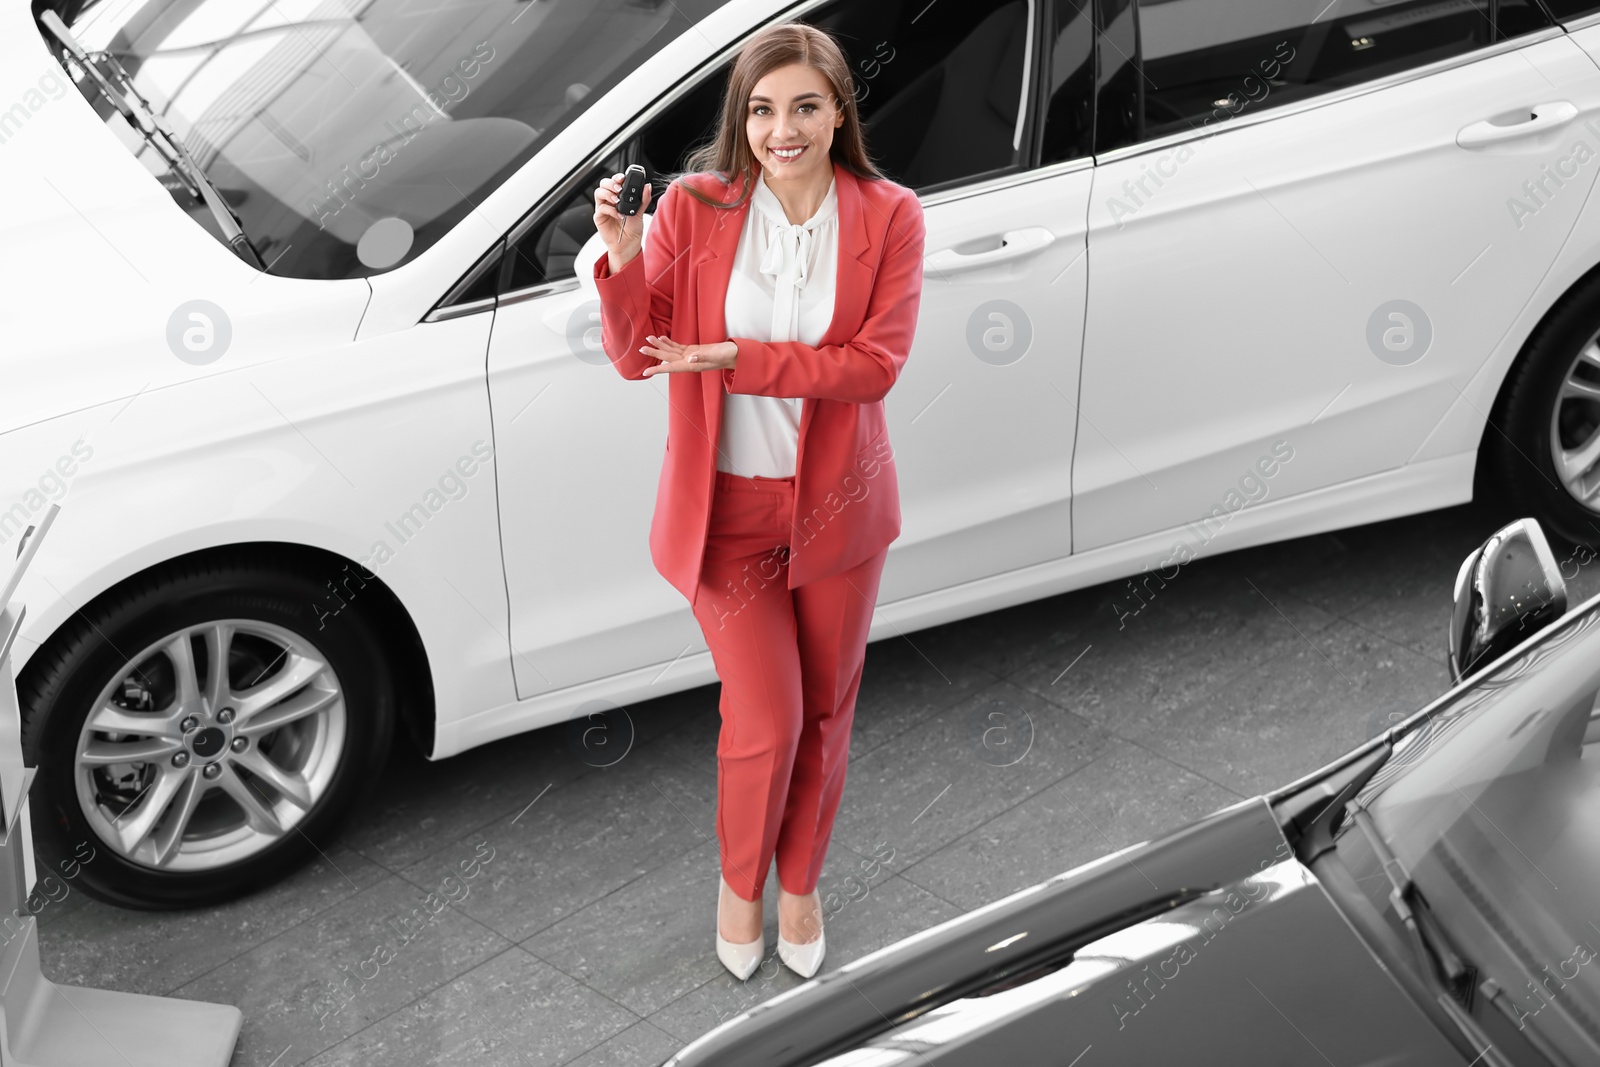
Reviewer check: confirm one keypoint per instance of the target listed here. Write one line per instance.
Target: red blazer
(847, 500)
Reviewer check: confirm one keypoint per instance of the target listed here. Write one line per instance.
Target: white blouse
(781, 289)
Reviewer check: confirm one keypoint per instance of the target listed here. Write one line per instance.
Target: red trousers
(790, 666)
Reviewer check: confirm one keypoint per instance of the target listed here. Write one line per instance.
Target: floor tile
(1413, 610)
(510, 1011)
(959, 769)
(1010, 638)
(1346, 570)
(342, 970)
(1294, 713)
(106, 947)
(576, 844)
(647, 943)
(640, 1045)
(693, 743)
(901, 687)
(1187, 640)
(1126, 796)
(422, 806)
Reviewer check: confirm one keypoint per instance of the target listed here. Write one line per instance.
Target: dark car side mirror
(1508, 589)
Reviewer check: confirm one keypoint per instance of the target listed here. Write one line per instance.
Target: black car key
(632, 194)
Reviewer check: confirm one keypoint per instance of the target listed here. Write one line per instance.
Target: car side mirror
(1508, 589)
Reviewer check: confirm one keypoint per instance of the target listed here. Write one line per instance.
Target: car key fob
(632, 194)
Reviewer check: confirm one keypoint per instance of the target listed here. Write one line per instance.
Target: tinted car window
(1569, 10)
(938, 89)
(1118, 117)
(1069, 97)
(549, 251)
(939, 86)
(1205, 61)
(318, 119)
(915, 80)
(483, 280)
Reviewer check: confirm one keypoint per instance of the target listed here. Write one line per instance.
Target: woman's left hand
(676, 357)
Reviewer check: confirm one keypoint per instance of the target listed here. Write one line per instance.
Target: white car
(300, 329)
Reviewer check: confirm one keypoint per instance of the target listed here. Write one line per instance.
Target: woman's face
(792, 108)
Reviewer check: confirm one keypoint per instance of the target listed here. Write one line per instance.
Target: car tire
(1533, 422)
(264, 776)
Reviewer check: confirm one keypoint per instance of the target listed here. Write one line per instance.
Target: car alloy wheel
(210, 744)
(1539, 455)
(1575, 426)
(204, 728)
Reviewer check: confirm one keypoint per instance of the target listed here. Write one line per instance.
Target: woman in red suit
(778, 290)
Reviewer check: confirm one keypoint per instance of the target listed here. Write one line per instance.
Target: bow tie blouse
(781, 289)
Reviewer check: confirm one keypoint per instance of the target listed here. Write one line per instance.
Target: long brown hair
(728, 154)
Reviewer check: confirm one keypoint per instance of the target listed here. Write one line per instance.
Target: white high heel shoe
(741, 959)
(803, 959)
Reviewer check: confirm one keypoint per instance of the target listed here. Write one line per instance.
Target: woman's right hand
(622, 236)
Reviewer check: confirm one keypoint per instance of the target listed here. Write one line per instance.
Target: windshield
(1493, 806)
(349, 135)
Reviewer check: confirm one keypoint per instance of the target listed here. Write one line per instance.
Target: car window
(1206, 61)
(939, 89)
(548, 252)
(482, 282)
(322, 123)
(1571, 10)
(1069, 98)
(939, 98)
(939, 85)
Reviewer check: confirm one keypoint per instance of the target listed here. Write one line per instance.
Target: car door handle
(1013, 244)
(1541, 117)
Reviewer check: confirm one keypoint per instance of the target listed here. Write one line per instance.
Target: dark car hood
(1214, 941)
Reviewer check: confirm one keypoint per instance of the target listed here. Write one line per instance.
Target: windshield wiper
(1427, 935)
(1451, 981)
(157, 134)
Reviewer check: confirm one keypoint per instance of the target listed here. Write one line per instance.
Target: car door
(983, 415)
(1307, 232)
(579, 449)
(981, 420)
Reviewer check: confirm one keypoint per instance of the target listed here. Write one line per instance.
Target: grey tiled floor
(988, 755)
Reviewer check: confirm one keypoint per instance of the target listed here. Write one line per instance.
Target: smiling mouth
(787, 155)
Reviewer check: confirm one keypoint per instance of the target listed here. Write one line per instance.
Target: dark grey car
(1431, 898)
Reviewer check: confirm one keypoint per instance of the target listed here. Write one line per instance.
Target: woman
(779, 290)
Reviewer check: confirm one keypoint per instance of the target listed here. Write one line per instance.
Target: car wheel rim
(210, 745)
(1575, 427)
